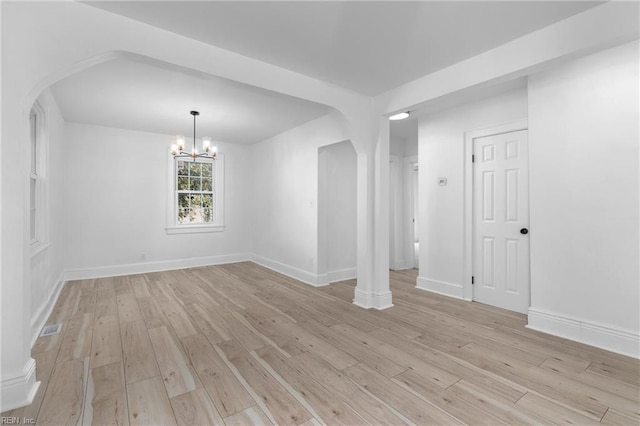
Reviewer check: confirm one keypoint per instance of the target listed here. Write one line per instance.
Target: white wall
(583, 120)
(115, 200)
(441, 147)
(337, 175)
(47, 263)
(285, 197)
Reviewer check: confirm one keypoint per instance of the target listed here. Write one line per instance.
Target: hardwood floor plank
(267, 326)
(331, 410)
(151, 313)
(208, 324)
(226, 392)
(550, 412)
(63, 401)
(357, 349)
(178, 376)
(416, 409)
(109, 399)
(334, 356)
(445, 399)
(385, 347)
(250, 416)
(76, 343)
(66, 303)
(619, 371)
(613, 417)
(575, 395)
(240, 332)
(177, 317)
(284, 408)
(106, 346)
(195, 408)
(105, 284)
(369, 407)
(139, 285)
(623, 389)
(106, 303)
(149, 404)
(139, 358)
(478, 401)
(87, 298)
(128, 309)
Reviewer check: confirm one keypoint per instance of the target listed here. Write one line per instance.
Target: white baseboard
(291, 271)
(164, 265)
(399, 265)
(41, 316)
(440, 287)
(342, 275)
(377, 301)
(19, 391)
(591, 333)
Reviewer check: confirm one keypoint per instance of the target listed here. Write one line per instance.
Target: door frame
(467, 232)
(409, 206)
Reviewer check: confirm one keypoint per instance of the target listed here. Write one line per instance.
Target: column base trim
(19, 391)
(378, 301)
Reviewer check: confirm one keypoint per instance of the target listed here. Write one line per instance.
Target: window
(194, 187)
(37, 179)
(196, 199)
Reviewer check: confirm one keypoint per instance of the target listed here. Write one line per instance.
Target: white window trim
(172, 217)
(41, 241)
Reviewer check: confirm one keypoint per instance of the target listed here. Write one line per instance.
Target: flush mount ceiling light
(177, 149)
(400, 116)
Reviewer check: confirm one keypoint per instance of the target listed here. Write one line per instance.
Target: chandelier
(177, 149)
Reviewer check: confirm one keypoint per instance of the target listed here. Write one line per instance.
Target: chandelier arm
(194, 132)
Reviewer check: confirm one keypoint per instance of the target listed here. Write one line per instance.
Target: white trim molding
(603, 336)
(164, 265)
(40, 318)
(373, 300)
(291, 271)
(193, 229)
(342, 275)
(441, 287)
(21, 390)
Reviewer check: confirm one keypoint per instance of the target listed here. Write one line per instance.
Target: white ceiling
(366, 46)
(136, 95)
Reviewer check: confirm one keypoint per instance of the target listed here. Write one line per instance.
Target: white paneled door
(501, 221)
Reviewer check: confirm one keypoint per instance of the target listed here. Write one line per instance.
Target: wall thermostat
(442, 181)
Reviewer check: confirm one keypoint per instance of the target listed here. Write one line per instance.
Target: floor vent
(48, 330)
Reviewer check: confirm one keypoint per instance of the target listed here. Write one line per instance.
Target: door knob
(524, 231)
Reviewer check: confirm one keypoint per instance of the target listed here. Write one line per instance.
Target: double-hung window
(197, 195)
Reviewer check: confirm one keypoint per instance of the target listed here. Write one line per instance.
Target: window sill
(194, 229)
(37, 248)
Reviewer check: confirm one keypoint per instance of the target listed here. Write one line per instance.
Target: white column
(372, 290)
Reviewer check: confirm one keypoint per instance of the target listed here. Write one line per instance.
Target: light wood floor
(239, 344)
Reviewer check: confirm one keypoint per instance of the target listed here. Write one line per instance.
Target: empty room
(320, 212)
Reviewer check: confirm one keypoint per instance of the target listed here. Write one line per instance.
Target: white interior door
(501, 221)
